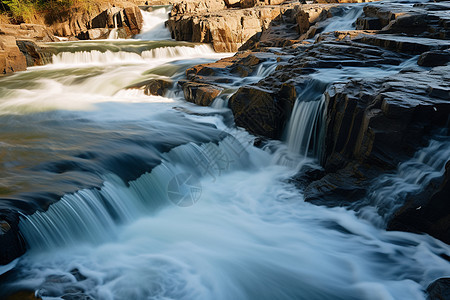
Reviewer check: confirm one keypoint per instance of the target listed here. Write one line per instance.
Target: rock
(427, 20)
(102, 15)
(34, 54)
(133, 19)
(94, 34)
(23, 295)
(12, 245)
(403, 44)
(242, 64)
(439, 289)
(195, 7)
(199, 93)
(433, 215)
(380, 122)
(11, 59)
(227, 30)
(434, 58)
(260, 111)
(156, 87)
(38, 33)
(232, 3)
(253, 3)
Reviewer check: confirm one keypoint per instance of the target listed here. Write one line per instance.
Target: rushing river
(148, 197)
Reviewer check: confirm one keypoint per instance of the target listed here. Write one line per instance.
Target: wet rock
(242, 64)
(434, 58)
(380, 121)
(200, 93)
(34, 54)
(439, 289)
(428, 212)
(12, 245)
(427, 20)
(23, 295)
(260, 111)
(343, 187)
(403, 44)
(11, 58)
(155, 87)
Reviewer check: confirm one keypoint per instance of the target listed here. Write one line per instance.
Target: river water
(148, 197)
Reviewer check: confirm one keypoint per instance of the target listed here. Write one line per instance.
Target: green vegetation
(24, 10)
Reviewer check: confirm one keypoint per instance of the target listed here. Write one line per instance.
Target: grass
(19, 11)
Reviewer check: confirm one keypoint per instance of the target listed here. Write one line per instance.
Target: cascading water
(154, 28)
(305, 131)
(124, 197)
(389, 192)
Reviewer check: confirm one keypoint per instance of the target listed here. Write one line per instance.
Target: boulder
(200, 93)
(403, 44)
(94, 34)
(434, 58)
(11, 58)
(12, 246)
(155, 87)
(34, 54)
(261, 111)
(439, 289)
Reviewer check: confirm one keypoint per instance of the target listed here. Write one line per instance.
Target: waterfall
(92, 215)
(306, 128)
(389, 192)
(154, 24)
(120, 57)
(346, 21)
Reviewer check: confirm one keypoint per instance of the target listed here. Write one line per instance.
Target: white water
(154, 28)
(390, 191)
(306, 127)
(346, 21)
(248, 234)
(162, 54)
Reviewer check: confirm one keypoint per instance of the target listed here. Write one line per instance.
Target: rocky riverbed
(374, 76)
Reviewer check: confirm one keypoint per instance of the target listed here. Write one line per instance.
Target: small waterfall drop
(388, 192)
(346, 21)
(306, 127)
(120, 57)
(154, 24)
(92, 215)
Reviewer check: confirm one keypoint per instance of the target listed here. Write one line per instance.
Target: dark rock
(434, 58)
(439, 289)
(23, 295)
(34, 54)
(12, 246)
(94, 34)
(156, 87)
(403, 44)
(427, 212)
(259, 111)
(200, 93)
